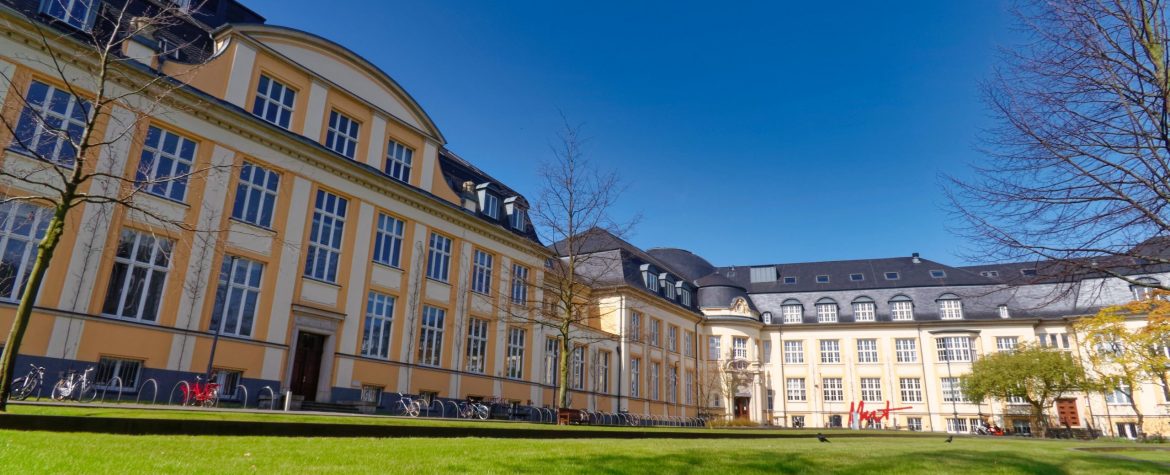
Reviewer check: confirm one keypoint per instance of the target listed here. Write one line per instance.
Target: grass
(43, 452)
(864, 453)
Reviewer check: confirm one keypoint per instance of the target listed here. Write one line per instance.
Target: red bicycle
(200, 393)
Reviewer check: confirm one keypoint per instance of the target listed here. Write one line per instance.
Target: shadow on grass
(763, 461)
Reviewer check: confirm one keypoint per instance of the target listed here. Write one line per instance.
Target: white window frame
(867, 351)
(864, 311)
(950, 309)
(635, 370)
(902, 310)
(871, 389)
(256, 192)
(388, 240)
(342, 134)
(635, 326)
(243, 278)
(792, 313)
(376, 333)
(830, 351)
(766, 351)
(430, 336)
(477, 340)
(1007, 343)
(603, 358)
(672, 338)
(490, 206)
(35, 119)
(517, 219)
(119, 293)
(833, 389)
(399, 159)
(688, 343)
(793, 352)
(117, 367)
(577, 368)
(515, 364)
(439, 258)
(952, 390)
(959, 348)
(910, 389)
(267, 103)
(655, 368)
(65, 13)
(481, 272)
(552, 354)
(714, 347)
(519, 285)
(906, 350)
(739, 347)
(795, 390)
(689, 387)
(656, 332)
(22, 226)
(163, 170)
(826, 313)
(326, 237)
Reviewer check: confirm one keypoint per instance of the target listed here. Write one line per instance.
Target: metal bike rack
(552, 417)
(432, 405)
(154, 395)
(271, 397)
(105, 388)
(171, 396)
(238, 388)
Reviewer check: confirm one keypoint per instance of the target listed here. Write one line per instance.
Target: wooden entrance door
(1066, 412)
(741, 407)
(307, 365)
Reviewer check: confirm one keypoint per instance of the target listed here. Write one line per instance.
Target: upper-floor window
(490, 206)
(938, 274)
(22, 226)
(1054, 340)
(256, 195)
(955, 348)
(795, 389)
(274, 101)
(822, 279)
(166, 162)
(901, 308)
(826, 311)
(477, 343)
(635, 376)
(517, 219)
(892, 276)
(655, 332)
(237, 296)
(714, 350)
(430, 336)
(766, 351)
(1006, 343)
(76, 13)
(398, 161)
(376, 332)
(577, 368)
(952, 389)
(668, 288)
(635, 326)
(1003, 311)
(688, 343)
(830, 351)
(515, 362)
(871, 389)
(481, 272)
(864, 311)
(388, 240)
(793, 352)
(684, 295)
(834, 389)
(439, 258)
(552, 354)
(342, 136)
(906, 350)
(867, 351)
(650, 278)
(672, 338)
(792, 312)
(739, 347)
(950, 308)
(856, 277)
(789, 280)
(141, 263)
(1144, 288)
(50, 124)
(325, 237)
(519, 284)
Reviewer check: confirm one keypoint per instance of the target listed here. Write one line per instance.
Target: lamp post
(217, 320)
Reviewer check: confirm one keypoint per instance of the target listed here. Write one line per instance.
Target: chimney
(914, 258)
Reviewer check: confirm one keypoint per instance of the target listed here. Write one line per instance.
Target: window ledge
(264, 229)
(321, 281)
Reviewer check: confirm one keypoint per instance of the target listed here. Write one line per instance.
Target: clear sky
(747, 132)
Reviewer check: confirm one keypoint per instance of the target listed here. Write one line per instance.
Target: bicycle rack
(552, 418)
(184, 384)
(154, 395)
(238, 388)
(271, 397)
(111, 383)
(431, 405)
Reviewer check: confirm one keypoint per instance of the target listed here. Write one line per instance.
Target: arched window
(792, 311)
(901, 308)
(950, 307)
(864, 310)
(826, 310)
(1144, 288)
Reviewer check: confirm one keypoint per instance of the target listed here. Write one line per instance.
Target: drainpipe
(925, 382)
(621, 343)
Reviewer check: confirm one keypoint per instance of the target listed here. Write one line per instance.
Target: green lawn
(42, 452)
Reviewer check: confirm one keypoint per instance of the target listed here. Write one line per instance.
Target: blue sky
(747, 132)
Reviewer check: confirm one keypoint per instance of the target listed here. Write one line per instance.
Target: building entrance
(741, 407)
(307, 365)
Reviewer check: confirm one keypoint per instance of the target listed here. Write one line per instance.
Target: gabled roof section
(312, 48)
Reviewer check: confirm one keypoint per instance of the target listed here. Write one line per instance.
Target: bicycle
(24, 386)
(409, 407)
(200, 393)
(71, 386)
(468, 410)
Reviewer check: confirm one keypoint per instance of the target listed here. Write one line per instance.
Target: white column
(241, 75)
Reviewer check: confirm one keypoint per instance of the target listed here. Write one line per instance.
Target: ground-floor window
(428, 396)
(1021, 426)
(834, 421)
(229, 383)
(797, 421)
(914, 423)
(125, 370)
(372, 394)
(1127, 430)
(956, 425)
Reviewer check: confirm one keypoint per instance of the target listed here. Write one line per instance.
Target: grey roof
(872, 271)
(688, 264)
(456, 170)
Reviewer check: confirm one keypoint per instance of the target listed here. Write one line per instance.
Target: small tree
(1035, 374)
(111, 99)
(575, 202)
(1122, 358)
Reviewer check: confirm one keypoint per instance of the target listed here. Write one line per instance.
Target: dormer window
(76, 13)
(938, 274)
(1003, 312)
(892, 276)
(822, 279)
(989, 273)
(1144, 288)
(790, 280)
(513, 205)
(650, 278)
(1028, 272)
(767, 318)
(491, 206)
(684, 294)
(856, 277)
(950, 307)
(667, 286)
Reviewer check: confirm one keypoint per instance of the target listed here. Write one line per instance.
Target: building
(354, 258)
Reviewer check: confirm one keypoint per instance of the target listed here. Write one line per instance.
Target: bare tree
(1078, 172)
(100, 97)
(575, 202)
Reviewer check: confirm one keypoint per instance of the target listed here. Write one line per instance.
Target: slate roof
(872, 271)
(456, 171)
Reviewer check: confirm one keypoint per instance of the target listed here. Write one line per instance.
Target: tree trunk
(31, 290)
(1140, 417)
(563, 370)
(1041, 421)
